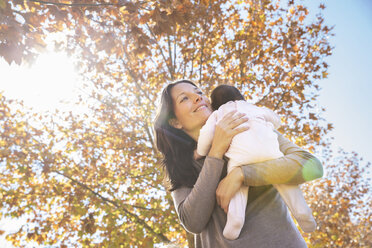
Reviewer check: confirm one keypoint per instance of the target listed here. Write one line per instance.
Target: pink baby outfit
(258, 144)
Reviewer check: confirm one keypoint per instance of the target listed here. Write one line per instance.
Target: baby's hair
(223, 94)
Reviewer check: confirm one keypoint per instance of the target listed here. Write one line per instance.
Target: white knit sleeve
(272, 117)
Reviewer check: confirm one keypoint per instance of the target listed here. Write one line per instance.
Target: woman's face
(191, 107)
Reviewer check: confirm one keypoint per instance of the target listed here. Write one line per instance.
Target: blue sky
(347, 92)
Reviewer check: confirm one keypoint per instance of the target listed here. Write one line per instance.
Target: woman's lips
(200, 108)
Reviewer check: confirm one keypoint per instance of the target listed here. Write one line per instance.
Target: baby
(259, 143)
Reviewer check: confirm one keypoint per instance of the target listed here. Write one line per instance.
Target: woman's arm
(195, 205)
(295, 167)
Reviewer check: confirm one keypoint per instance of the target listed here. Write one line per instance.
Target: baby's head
(223, 94)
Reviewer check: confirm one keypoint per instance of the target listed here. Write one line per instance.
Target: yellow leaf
(124, 10)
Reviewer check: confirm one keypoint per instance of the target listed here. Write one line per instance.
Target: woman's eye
(183, 98)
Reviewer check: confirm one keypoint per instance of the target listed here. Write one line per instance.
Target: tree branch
(160, 48)
(125, 115)
(117, 205)
(135, 79)
(170, 58)
(201, 61)
(174, 53)
(121, 3)
(80, 4)
(280, 100)
(202, 51)
(281, 75)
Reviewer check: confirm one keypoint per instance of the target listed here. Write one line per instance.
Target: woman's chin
(205, 115)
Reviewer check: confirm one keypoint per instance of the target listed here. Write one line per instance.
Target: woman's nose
(197, 98)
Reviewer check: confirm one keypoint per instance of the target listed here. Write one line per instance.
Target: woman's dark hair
(223, 94)
(176, 146)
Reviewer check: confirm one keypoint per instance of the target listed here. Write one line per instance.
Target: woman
(200, 196)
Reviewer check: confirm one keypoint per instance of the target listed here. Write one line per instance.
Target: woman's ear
(175, 123)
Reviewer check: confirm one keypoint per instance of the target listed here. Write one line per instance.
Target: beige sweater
(268, 223)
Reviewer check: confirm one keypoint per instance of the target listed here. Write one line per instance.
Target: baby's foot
(233, 227)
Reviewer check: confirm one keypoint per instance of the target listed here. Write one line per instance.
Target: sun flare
(43, 85)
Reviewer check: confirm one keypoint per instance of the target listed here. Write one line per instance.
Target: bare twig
(79, 4)
(120, 3)
(160, 48)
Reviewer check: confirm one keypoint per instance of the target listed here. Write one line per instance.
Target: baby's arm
(206, 135)
(272, 117)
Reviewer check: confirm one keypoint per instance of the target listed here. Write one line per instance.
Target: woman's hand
(226, 129)
(228, 187)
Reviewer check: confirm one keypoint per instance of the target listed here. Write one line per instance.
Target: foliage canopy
(94, 178)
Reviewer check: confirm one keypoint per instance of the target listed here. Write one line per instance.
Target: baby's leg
(293, 197)
(236, 214)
